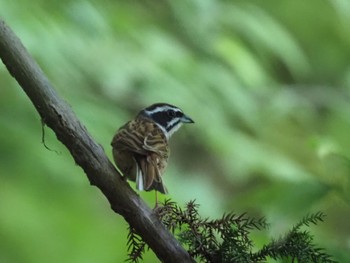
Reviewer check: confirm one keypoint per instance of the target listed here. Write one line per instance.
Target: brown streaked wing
(146, 139)
(130, 138)
(141, 136)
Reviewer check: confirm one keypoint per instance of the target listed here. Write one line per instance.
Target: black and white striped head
(168, 117)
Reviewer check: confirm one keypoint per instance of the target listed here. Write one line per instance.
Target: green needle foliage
(227, 239)
(136, 246)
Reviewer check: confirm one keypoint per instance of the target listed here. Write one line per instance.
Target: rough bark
(57, 115)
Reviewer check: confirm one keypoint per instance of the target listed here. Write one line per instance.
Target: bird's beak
(186, 119)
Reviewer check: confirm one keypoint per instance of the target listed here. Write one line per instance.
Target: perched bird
(141, 149)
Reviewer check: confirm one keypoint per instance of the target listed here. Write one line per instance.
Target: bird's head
(168, 117)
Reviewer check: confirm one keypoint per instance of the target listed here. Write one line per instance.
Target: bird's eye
(171, 113)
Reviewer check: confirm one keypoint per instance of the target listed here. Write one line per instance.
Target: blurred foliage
(267, 82)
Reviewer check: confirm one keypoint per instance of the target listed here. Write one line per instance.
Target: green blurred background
(267, 82)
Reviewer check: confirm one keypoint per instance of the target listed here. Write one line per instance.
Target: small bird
(141, 149)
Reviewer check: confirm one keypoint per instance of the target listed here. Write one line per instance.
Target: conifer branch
(228, 240)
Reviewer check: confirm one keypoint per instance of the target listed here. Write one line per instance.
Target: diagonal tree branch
(56, 114)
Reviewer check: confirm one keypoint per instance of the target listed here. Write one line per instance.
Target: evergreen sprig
(136, 246)
(227, 239)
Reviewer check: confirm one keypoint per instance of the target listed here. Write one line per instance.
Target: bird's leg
(156, 200)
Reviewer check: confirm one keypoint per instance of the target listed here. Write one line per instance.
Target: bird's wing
(150, 147)
(141, 137)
